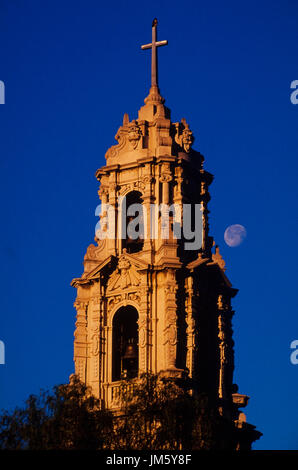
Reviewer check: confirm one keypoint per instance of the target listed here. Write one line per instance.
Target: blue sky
(71, 70)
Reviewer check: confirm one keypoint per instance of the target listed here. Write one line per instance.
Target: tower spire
(154, 62)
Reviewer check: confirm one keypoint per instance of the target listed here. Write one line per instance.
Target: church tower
(154, 296)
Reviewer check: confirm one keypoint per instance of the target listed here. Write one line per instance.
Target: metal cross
(154, 46)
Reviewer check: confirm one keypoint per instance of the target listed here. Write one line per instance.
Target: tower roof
(152, 134)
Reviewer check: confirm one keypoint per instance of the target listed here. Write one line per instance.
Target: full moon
(234, 235)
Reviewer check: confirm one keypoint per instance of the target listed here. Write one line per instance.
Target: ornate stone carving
(125, 188)
(113, 187)
(187, 139)
(114, 300)
(179, 175)
(184, 136)
(147, 179)
(172, 334)
(170, 289)
(203, 188)
(80, 305)
(95, 252)
(139, 185)
(222, 303)
(80, 364)
(225, 343)
(134, 134)
(103, 191)
(165, 178)
(124, 276)
(223, 353)
(134, 297)
(217, 258)
(115, 149)
(142, 337)
(192, 327)
(95, 341)
(143, 290)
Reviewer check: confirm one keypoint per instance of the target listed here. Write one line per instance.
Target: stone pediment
(124, 276)
(127, 273)
(217, 263)
(199, 261)
(95, 273)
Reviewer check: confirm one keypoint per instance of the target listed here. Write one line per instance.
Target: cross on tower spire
(154, 45)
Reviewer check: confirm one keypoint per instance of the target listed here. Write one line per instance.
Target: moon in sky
(234, 235)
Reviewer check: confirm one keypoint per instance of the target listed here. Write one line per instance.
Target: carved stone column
(178, 195)
(170, 330)
(147, 197)
(225, 346)
(113, 214)
(206, 241)
(165, 179)
(103, 195)
(95, 345)
(101, 359)
(143, 323)
(80, 343)
(165, 228)
(191, 327)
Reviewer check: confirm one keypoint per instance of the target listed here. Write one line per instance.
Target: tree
(153, 413)
(158, 413)
(67, 418)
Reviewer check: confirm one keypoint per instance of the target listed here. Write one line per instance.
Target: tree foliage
(69, 417)
(158, 413)
(153, 413)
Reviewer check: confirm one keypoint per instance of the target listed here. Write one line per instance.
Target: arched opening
(132, 213)
(125, 343)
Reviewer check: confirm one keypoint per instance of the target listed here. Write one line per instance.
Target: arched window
(125, 343)
(133, 236)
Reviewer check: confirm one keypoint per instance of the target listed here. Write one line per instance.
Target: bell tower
(154, 296)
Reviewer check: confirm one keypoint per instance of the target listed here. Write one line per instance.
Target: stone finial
(187, 136)
(125, 120)
(184, 136)
(217, 258)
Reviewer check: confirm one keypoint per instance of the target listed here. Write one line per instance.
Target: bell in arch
(130, 360)
(130, 352)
